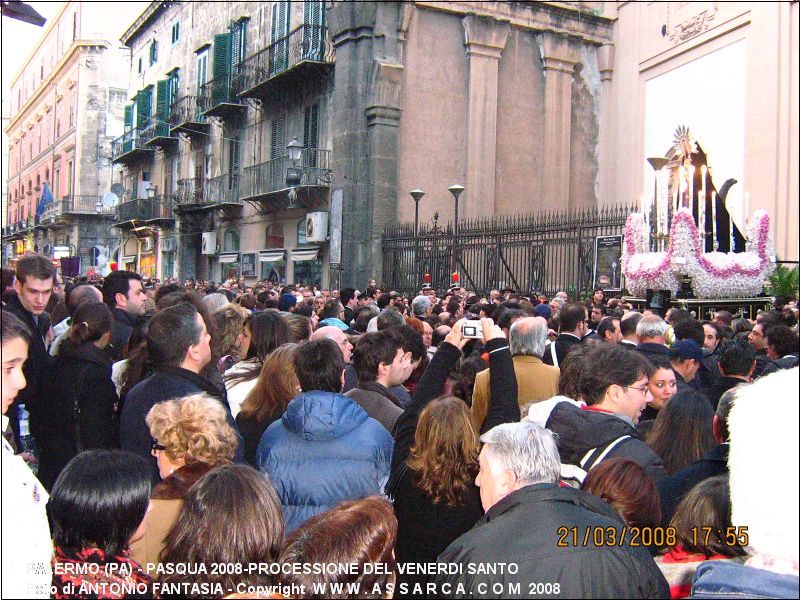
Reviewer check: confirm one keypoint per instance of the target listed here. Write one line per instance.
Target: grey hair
(527, 337)
(420, 305)
(558, 300)
(215, 301)
(651, 326)
(526, 449)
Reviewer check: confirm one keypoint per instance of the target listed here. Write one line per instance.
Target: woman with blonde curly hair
(276, 385)
(190, 437)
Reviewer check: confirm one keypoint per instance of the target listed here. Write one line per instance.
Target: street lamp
(295, 149)
(456, 191)
(293, 174)
(417, 196)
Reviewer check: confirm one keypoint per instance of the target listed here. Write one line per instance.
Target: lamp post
(417, 196)
(293, 174)
(456, 191)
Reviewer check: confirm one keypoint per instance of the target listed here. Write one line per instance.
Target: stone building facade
(66, 107)
(219, 92)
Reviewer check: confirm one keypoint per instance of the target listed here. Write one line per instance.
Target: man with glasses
(613, 385)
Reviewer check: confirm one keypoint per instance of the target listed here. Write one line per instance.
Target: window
(46, 175)
(70, 178)
(173, 78)
(56, 183)
(140, 64)
(73, 107)
(301, 233)
(202, 70)
(235, 163)
(238, 42)
(232, 240)
(275, 235)
(176, 32)
(153, 52)
(74, 26)
(311, 134)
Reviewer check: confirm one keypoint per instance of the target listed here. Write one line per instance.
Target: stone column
(484, 39)
(606, 155)
(559, 57)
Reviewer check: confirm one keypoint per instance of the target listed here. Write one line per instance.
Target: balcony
(129, 148)
(189, 194)
(269, 181)
(185, 117)
(223, 191)
(144, 211)
(218, 99)
(157, 134)
(59, 210)
(288, 62)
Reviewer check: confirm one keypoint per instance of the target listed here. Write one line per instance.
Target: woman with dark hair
(82, 409)
(628, 489)
(26, 534)
(357, 532)
(662, 386)
(703, 531)
(435, 458)
(276, 385)
(682, 432)
(191, 436)
(263, 332)
(97, 508)
(230, 323)
(231, 516)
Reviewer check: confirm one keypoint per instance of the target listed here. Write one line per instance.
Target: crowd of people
(256, 441)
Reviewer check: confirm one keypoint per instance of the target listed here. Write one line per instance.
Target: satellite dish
(110, 200)
(118, 189)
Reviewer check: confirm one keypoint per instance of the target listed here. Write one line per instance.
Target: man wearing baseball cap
(686, 358)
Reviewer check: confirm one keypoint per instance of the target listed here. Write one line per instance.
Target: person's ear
(121, 299)
(342, 380)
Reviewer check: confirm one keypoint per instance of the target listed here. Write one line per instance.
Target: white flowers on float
(713, 274)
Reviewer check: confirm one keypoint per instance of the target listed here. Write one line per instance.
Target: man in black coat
(125, 296)
(715, 462)
(572, 327)
(736, 364)
(538, 532)
(33, 286)
(178, 344)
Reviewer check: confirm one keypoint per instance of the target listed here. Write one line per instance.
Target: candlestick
(714, 219)
(691, 186)
(701, 208)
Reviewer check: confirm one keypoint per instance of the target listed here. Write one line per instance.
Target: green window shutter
(311, 134)
(277, 149)
(128, 117)
(235, 164)
(222, 55)
(153, 52)
(162, 99)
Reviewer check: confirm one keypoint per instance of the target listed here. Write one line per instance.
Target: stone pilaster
(606, 143)
(559, 57)
(484, 39)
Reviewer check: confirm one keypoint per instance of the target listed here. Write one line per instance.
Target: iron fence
(544, 253)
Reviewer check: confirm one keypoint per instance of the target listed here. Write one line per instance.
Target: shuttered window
(311, 134)
(235, 163)
(277, 149)
(144, 103)
(153, 52)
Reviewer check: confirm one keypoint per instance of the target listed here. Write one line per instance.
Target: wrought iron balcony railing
(313, 169)
(186, 116)
(218, 98)
(144, 209)
(129, 145)
(223, 189)
(156, 132)
(307, 43)
(189, 192)
(76, 205)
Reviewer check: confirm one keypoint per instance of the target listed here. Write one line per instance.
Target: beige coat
(160, 519)
(535, 381)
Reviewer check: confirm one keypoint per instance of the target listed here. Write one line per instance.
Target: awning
(229, 257)
(305, 254)
(129, 259)
(271, 255)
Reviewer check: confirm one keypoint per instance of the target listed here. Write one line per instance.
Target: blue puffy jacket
(324, 450)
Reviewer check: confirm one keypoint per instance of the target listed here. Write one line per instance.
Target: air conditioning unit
(144, 190)
(209, 245)
(147, 244)
(316, 227)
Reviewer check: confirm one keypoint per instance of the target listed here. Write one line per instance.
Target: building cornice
(66, 60)
(558, 17)
(153, 9)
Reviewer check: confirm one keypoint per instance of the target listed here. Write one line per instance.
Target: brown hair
(706, 507)
(277, 384)
(35, 266)
(570, 375)
(444, 456)
(300, 326)
(415, 324)
(232, 515)
(682, 432)
(357, 531)
(90, 322)
(230, 322)
(194, 428)
(628, 489)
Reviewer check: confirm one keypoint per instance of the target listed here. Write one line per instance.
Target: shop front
(273, 266)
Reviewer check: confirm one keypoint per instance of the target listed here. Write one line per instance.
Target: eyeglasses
(642, 390)
(154, 445)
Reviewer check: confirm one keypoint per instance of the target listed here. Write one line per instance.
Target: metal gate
(542, 253)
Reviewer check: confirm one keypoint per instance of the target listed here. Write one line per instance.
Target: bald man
(338, 336)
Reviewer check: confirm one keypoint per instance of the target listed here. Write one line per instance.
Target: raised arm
(503, 403)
